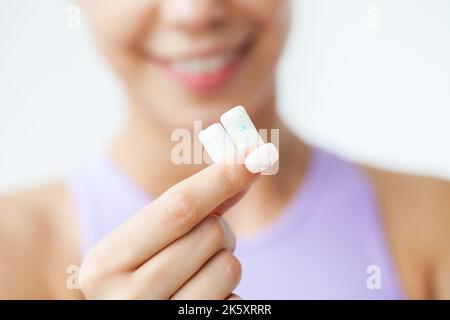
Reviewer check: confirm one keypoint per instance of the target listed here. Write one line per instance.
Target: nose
(193, 14)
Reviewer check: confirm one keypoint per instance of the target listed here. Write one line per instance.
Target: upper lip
(206, 52)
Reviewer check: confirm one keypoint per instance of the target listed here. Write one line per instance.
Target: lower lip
(205, 82)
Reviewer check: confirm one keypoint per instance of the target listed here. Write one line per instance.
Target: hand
(178, 247)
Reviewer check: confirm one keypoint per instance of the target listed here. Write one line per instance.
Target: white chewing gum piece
(240, 128)
(217, 143)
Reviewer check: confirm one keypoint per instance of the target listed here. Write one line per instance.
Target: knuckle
(212, 231)
(227, 178)
(179, 206)
(229, 266)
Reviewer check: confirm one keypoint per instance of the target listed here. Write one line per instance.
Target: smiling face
(187, 60)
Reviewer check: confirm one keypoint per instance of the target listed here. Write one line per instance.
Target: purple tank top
(328, 244)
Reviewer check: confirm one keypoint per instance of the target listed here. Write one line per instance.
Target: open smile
(207, 70)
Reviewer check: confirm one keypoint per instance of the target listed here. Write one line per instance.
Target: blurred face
(186, 60)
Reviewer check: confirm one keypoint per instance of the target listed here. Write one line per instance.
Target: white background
(367, 79)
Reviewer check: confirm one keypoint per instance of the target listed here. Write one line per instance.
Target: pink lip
(205, 82)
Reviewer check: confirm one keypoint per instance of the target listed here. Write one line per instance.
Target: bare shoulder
(416, 211)
(421, 202)
(38, 237)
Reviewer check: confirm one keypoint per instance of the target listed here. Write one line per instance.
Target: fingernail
(230, 238)
(262, 158)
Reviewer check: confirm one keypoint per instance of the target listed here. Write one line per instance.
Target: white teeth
(203, 66)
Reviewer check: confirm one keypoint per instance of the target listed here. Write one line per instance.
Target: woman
(321, 228)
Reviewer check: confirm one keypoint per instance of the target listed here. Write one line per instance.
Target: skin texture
(174, 28)
(39, 237)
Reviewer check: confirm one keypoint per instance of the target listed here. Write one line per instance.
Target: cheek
(120, 20)
(118, 26)
(268, 12)
(273, 20)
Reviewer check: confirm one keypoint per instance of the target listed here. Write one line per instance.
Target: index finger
(173, 214)
(178, 210)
